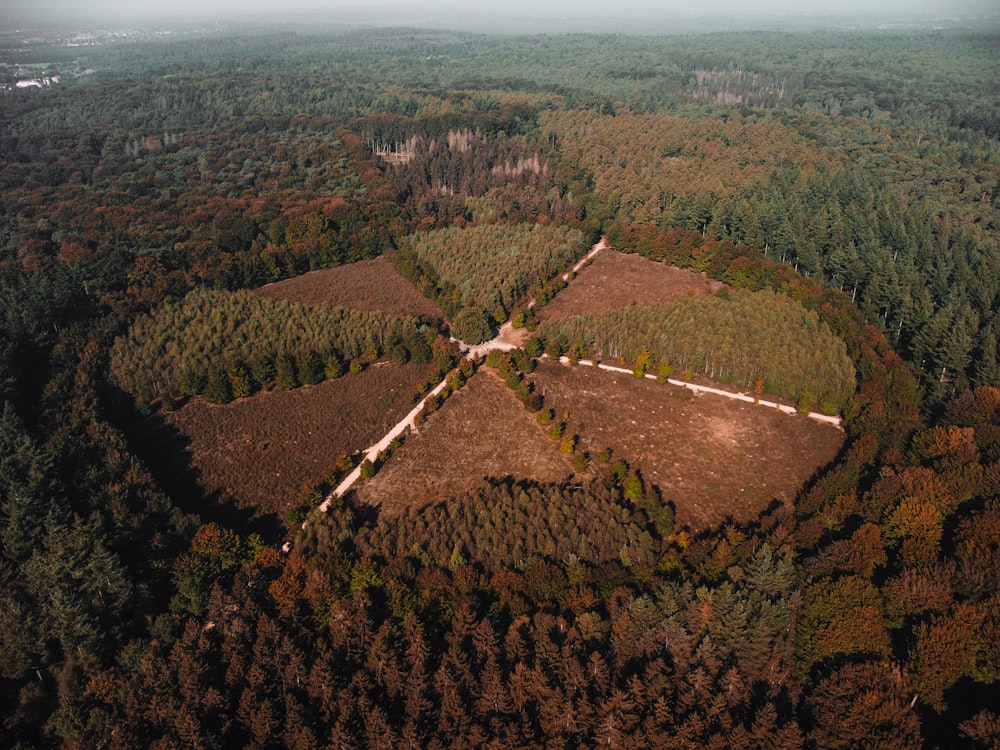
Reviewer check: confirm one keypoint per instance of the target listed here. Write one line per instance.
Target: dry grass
(368, 285)
(711, 456)
(261, 452)
(612, 280)
(480, 431)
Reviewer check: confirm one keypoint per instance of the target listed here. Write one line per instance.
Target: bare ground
(711, 456)
(480, 431)
(367, 285)
(614, 279)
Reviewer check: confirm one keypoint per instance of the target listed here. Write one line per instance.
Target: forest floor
(613, 280)
(367, 285)
(259, 455)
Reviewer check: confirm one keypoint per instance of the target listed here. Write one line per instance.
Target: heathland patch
(613, 279)
(481, 431)
(268, 453)
(711, 456)
(367, 285)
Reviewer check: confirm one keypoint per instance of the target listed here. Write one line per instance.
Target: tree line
(230, 344)
(477, 275)
(735, 337)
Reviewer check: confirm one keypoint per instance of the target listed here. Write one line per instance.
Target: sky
(466, 13)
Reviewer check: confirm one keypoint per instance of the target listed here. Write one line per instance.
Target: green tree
(218, 390)
(286, 374)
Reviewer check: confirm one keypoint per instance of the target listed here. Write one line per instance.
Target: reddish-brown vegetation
(263, 451)
(480, 431)
(367, 285)
(712, 456)
(613, 279)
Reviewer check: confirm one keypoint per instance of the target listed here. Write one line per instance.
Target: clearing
(614, 279)
(481, 431)
(261, 453)
(711, 456)
(367, 285)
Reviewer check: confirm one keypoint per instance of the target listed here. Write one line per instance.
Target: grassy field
(480, 431)
(368, 285)
(612, 280)
(711, 456)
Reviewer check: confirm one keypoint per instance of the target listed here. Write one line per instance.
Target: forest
(739, 339)
(846, 179)
(230, 344)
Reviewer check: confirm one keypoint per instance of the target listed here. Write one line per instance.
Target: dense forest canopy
(738, 338)
(159, 178)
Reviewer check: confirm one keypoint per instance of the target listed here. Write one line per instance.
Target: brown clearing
(262, 451)
(711, 456)
(614, 279)
(367, 285)
(480, 431)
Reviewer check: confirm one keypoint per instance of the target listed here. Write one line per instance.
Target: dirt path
(507, 339)
(834, 420)
(511, 338)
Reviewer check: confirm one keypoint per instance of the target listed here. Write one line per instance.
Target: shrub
(534, 401)
(805, 403)
(534, 347)
(665, 370)
(471, 325)
(333, 368)
(192, 382)
(263, 371)
(632, 486)
(240, 382)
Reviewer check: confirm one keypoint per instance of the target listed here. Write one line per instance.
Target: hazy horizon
(547, 15)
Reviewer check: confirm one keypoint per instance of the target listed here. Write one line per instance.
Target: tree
(218, 390)
(642, 363)
(286, 374)
(864, 705)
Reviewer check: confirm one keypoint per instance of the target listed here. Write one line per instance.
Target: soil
(712, 457)
(261, 454)
(480, 431)
(367, 285)
(613, 280)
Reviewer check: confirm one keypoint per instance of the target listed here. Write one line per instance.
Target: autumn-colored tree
(863, 705)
